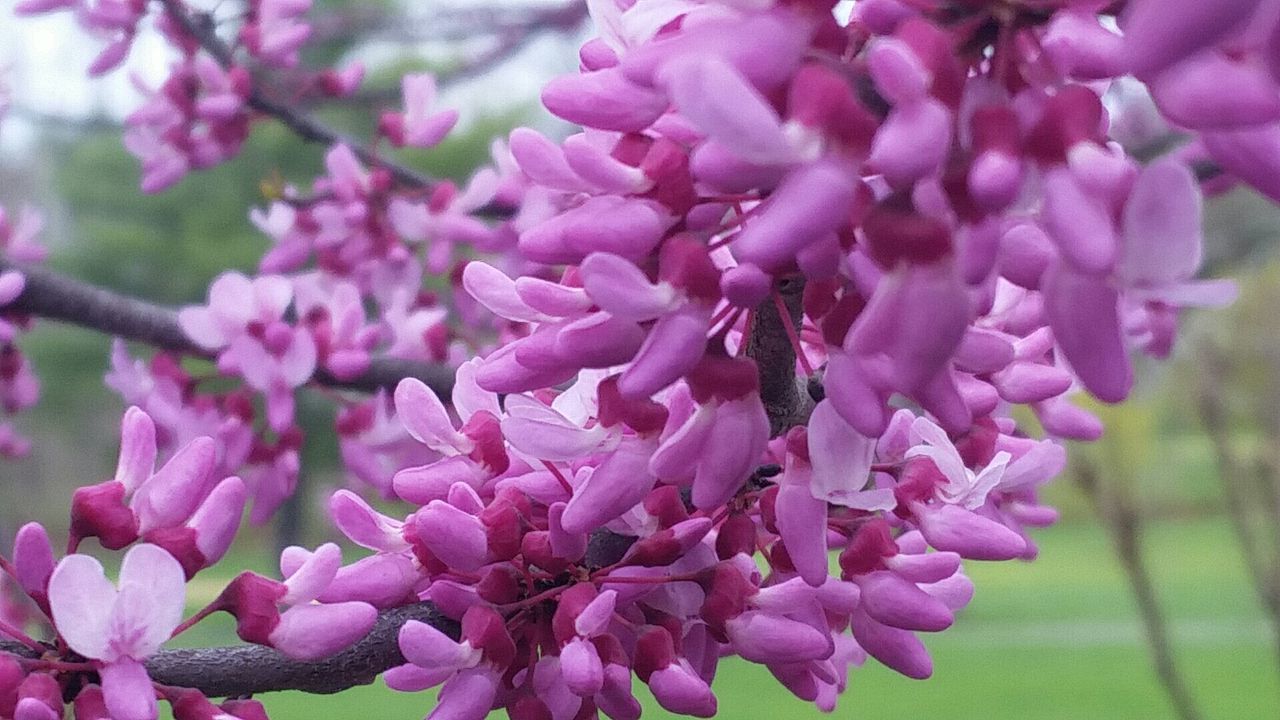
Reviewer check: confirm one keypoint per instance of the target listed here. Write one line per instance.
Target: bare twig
(51, 295)
(1237, 477)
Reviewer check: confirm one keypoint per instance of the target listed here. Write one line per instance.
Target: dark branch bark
(785, 399)
(51, 295)
(252, 669)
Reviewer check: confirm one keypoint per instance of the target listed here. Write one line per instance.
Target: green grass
(1057, 639)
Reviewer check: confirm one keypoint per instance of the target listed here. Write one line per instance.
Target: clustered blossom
(19, 386)
(175, 521)
(200, 115)
(919, 209)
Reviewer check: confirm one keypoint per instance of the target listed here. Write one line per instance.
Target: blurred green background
(1056, 639)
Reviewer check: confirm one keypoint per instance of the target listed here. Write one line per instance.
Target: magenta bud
(33, 560)
(90, 705)
(252, 600)
(811, 202)
(581, 667)
(99, 511)
(679, 690)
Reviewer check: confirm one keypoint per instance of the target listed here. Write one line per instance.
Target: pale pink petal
(427, 647)
(1162, 238)
(365, 526)
(842, 458)
(424, 416)
(137, 449)
(127, 690)
(317, 571)
(81, 599)
(150, 604)
(497, 292)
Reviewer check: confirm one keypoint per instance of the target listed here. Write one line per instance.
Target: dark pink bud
(99, 511)
(643, 415)
(654, 651)
(245, 709)
(486, 631)
(1071, 116)
(180, 542)
(191, 705)
(866, 553)
(90, 705)
(685, 263)
(723, 378)
(252, 600)
(896, 233)
(736, 535)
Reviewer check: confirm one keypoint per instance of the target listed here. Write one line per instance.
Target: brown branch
(243, 670)
(785, 399)
(200, 27)
(1234, 476)
(54, 296)
(1124, 526)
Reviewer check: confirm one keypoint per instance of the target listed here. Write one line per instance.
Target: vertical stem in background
(1123, 524)
(1239, 481)
(785, 400)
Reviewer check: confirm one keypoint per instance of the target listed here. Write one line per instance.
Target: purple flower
(244, 321)
(119, 628)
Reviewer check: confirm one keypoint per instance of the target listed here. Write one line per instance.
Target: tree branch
(785, 400)
(1124, 526)
(243, 670)
(51, 295)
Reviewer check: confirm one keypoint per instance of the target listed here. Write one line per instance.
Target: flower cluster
(19, 386)
(734, 366)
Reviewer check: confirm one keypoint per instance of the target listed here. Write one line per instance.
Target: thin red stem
(792, 335)
(17, 634)
(564, 482)
(204, 612)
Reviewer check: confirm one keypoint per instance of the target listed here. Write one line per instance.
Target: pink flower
(119, 628)
(417, 126)
(244, 321)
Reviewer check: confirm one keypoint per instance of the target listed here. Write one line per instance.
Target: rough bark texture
(785, 397)
(57, 297)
